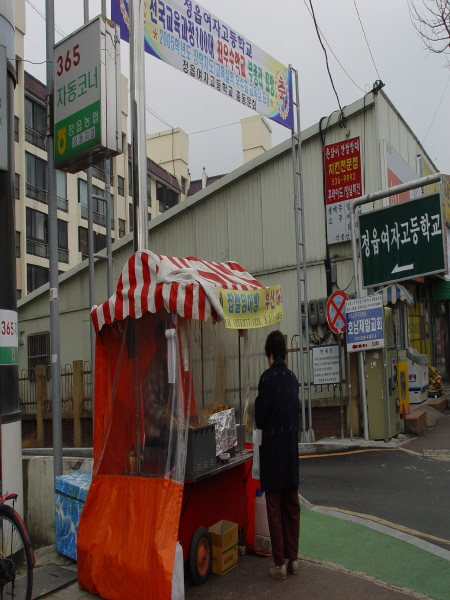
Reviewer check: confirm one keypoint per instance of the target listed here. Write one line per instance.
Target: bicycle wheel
(16, 557)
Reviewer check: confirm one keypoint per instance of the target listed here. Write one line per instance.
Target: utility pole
(53, 247)
(10, 416)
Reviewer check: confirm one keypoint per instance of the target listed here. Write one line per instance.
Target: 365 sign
(87, 96)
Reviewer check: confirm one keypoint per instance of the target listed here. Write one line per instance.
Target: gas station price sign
(365, 323)
(87, 96)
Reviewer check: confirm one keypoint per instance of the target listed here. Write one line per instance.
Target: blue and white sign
(365, 323)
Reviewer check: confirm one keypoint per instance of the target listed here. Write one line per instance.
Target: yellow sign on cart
(251, 308)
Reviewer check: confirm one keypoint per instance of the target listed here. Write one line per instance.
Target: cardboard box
(224, 539)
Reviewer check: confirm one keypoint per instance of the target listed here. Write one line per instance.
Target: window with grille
(38, 350)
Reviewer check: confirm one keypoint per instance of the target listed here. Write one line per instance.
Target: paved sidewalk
(343, 557)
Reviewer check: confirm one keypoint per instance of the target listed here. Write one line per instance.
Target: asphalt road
(393, 485)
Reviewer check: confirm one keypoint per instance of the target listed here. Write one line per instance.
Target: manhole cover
(441, 452)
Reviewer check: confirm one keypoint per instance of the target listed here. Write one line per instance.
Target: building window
(120, 185)
(36, 178)
(130, 178)
(35, 124)
(149, 189)
(99, 203)
(38, 350)
(61, 191)
(83, 241)
(99, 171)
(17, 244)
(121, 228)
(166, 197)
(36, 276)
(63, 252)
(131, 216)
(99, 241)
(16, 129)
(183, 185)
(37, 233)
(17, 186)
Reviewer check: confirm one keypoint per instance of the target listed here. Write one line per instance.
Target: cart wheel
(200, 556)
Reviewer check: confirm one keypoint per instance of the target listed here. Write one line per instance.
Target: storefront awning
(441, 289)
(395, 293)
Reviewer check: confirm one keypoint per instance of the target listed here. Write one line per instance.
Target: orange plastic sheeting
(127, 537)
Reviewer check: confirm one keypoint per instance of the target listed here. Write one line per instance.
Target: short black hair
(275, 345)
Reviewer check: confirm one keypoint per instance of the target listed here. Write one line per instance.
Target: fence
(76, 396)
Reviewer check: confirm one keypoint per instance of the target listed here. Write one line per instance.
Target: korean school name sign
(343, 183)
(250, 309)
(402, 241)
(193, 40)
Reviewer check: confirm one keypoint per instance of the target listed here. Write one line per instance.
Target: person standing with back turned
(276, 413)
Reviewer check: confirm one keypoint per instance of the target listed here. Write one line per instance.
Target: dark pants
(283, 514)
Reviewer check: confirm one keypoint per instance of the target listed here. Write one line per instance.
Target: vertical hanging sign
(193, 40)
(87, 96)
(343, 183)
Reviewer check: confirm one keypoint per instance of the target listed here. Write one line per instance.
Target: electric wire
(437, 109)
(332, 52)
(326, 55)
(367, 41)
(42, 15)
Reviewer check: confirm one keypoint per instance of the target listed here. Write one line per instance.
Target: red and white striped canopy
(187, 286)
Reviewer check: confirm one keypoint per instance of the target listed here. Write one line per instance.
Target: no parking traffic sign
(336, 311)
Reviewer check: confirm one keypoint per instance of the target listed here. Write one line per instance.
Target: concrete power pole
(10, 416)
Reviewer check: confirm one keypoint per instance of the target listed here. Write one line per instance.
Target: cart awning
(187, 286)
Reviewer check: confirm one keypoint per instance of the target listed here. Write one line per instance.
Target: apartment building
(167, 185)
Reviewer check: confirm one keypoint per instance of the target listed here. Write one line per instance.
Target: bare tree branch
(431, 19)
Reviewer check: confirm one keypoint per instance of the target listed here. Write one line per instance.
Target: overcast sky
(416, 81)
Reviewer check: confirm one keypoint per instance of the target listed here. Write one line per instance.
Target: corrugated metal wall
(248, 217)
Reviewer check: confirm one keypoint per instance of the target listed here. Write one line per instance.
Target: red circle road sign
(336, 311)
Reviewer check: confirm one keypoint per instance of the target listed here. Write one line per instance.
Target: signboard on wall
(343, 183)
(325, 361)
(365, 324)
(190, 38)
(402, 241)
(87, 96)
(398, 171)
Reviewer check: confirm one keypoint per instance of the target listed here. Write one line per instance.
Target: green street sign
(402, 241)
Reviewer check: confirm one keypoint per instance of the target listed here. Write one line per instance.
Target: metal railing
(36, 193)
(38, 248)
(34, 137)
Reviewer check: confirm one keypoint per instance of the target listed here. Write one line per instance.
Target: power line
(367, 41)
(326, 55)
(331, 50)
(42, 15)
(440, 102)
(211, 128)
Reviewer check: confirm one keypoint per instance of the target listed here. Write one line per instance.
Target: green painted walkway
(362, 549)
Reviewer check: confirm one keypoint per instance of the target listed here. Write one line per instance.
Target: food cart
(162, 374)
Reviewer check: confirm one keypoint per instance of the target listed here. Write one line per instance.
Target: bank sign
(87, 96)
(190, 38)
(402, 241)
